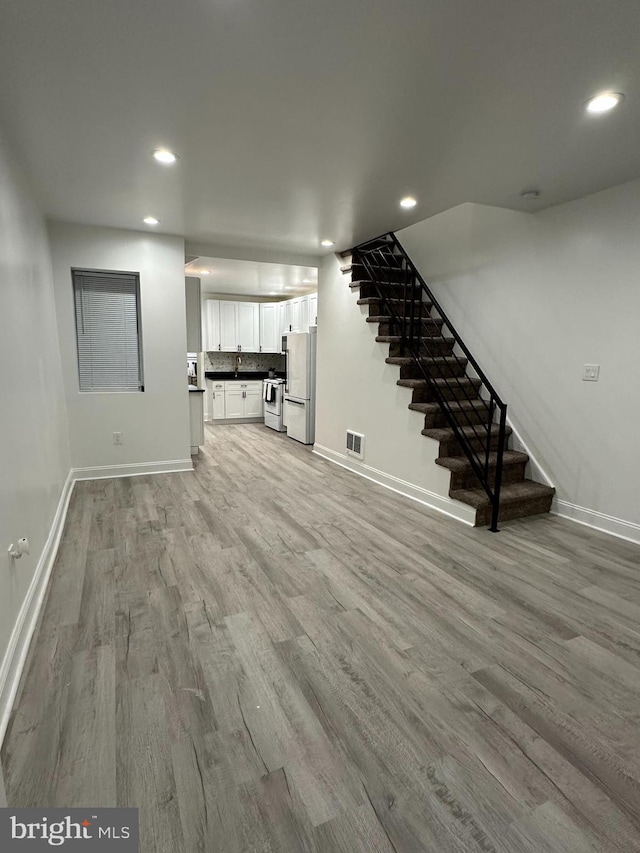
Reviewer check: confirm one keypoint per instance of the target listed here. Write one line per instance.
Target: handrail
(379, 256)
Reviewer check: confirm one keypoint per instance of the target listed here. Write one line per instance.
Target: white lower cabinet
(253, 403)
(217, 401)
(236, 400)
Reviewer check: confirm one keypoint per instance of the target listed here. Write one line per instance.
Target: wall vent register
(355, 444)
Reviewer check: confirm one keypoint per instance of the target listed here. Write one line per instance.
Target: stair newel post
(496, 489)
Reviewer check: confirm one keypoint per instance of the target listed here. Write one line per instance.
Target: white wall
(155, 422)
(356, 390)
(34, 451)
(536, 297)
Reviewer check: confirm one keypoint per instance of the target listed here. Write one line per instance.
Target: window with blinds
(108, 330)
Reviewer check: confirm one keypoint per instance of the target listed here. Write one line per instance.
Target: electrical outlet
(117, 438)
(591, 373)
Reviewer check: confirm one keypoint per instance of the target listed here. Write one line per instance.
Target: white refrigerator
(300, 388)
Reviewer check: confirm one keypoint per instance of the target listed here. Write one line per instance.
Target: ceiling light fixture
(164, 156)
(604, 102)
(530, 195)
(205, 272)
(327, 243)
(408, 202)
(151, 220)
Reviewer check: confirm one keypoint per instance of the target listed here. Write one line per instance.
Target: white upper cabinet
(295, 316)
(252, 326)
(304, 314)
(211, 325)
(248, 327)
(229, 326)
(288, 316)
(270, 338)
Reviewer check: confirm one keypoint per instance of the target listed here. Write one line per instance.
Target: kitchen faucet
(238, 363)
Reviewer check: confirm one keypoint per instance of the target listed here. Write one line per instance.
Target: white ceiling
(250, 278)
(297, 121)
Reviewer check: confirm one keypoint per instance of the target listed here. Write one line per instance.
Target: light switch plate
(591, 373)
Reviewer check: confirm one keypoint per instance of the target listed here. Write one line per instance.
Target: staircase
(461, 409)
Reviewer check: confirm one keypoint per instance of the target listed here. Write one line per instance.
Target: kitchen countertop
(195, 390)
(242, 375)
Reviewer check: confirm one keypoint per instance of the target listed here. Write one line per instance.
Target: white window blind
(107, 328)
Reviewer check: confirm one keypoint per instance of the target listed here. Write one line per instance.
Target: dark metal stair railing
(391, 270)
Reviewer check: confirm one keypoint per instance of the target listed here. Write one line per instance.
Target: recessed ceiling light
(205, 272)
(408, 202)
(151, 220)
(306, 281)
(162, 155)
(327, 243)
(604, 102)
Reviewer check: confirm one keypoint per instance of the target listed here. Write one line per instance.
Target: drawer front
(243, 386)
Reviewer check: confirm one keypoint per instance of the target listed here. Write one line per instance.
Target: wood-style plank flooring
(272, 654)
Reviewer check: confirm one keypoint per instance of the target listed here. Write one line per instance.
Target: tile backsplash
(226, 361)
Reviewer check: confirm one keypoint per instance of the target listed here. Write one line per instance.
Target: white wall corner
(18, 647)
(445, 505)
(535, 471)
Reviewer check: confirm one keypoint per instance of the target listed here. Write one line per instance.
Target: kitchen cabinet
(239, 326)
(234, 403)
(288, 316)
(295, 316)
(270, 334)
(236, 400)
(248, 327)
(228, 326)
(253, 402)
(211, 325)
(304, 314)
(246, 399)
(218, 409)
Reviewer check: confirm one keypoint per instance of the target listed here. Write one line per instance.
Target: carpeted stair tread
(443, 434)
(459, 405)
(362, 282)
(397, 339)
(371, 300)
(422, 383)
(460, 464)
(428, 359)
(384, 318)
(509, 494)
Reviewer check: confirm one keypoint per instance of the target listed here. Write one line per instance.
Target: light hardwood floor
(271, 654)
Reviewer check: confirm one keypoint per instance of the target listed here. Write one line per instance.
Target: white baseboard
(628, 530)
(135, 469)
(20, 639)
(445, 505)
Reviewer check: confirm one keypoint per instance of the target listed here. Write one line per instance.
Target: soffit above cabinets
(252, 278)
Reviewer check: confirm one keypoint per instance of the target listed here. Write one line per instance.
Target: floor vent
(355, 444)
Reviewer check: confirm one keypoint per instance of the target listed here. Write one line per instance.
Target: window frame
(99, 273)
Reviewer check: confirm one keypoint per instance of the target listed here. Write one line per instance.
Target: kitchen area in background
(251, 330)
